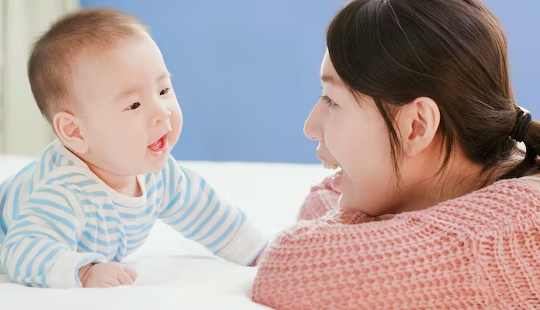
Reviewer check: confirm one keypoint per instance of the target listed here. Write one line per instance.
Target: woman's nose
(313, 128)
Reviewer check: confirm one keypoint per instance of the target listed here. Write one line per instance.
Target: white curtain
(24, 131)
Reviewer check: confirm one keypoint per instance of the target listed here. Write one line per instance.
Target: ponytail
(526, 130)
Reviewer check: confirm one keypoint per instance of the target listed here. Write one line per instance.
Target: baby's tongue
(155, 146)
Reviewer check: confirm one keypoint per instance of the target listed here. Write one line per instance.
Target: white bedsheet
(175, 273)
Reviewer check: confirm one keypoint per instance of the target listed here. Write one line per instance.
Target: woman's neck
(459, 178)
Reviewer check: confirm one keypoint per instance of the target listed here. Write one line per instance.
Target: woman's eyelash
(164, 91)
(328, 101)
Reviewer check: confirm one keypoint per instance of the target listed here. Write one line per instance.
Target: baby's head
(101, 82)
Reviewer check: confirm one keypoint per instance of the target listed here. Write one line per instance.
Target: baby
(94, 195)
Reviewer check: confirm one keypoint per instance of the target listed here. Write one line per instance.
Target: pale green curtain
(24, 132)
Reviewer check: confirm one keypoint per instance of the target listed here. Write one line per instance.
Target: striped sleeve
(40, 245)
(193, 208)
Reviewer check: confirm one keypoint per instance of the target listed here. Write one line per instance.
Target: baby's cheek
(176, 124)
(177, 118)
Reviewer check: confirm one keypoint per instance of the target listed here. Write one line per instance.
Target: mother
(418, 111)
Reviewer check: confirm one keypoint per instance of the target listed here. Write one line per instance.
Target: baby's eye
(164, 91)
(133, 106)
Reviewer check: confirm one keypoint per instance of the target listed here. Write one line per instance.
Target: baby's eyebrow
(165, 75)
(127, 93)
(134, 90)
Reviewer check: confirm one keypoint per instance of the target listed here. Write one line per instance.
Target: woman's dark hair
(452, 51)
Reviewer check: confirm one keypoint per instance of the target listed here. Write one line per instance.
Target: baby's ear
(69, 130)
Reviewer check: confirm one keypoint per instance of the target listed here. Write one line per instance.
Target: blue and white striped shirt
(57, 216)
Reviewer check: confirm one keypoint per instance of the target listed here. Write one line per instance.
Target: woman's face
(353, 136)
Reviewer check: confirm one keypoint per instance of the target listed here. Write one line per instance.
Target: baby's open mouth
(160, 146)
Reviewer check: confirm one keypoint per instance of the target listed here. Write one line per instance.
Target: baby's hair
(50, 66)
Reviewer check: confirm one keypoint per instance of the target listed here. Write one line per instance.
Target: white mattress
(175, 273)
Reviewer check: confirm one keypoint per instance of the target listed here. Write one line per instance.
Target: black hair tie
(523, 123)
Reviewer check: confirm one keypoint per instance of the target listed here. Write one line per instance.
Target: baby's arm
(40, 248)
(193, 208)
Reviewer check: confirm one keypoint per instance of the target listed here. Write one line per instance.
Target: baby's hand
(107, 274)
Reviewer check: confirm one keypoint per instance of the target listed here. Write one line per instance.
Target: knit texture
(320, 200)
(479, 251)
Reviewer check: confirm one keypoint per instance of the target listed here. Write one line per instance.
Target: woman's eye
(164, 91)
(328, 101)
(134, 106)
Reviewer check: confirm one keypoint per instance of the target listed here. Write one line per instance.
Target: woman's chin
(340, 202)
(345, 203)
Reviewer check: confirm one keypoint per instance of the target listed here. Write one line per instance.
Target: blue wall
(521, 21)
(246, 72)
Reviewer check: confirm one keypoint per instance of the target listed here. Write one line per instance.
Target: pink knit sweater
(479, 251)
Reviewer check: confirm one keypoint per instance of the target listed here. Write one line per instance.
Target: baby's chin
(156, 166)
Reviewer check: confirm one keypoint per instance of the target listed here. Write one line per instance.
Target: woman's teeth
(330, 166)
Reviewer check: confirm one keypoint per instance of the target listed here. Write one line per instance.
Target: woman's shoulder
(532, 180)
(487, 228)
(502, 203)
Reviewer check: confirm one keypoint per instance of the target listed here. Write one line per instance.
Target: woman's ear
(418, 123)
(69, 130)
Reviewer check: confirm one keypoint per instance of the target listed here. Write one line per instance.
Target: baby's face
(129, 112)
